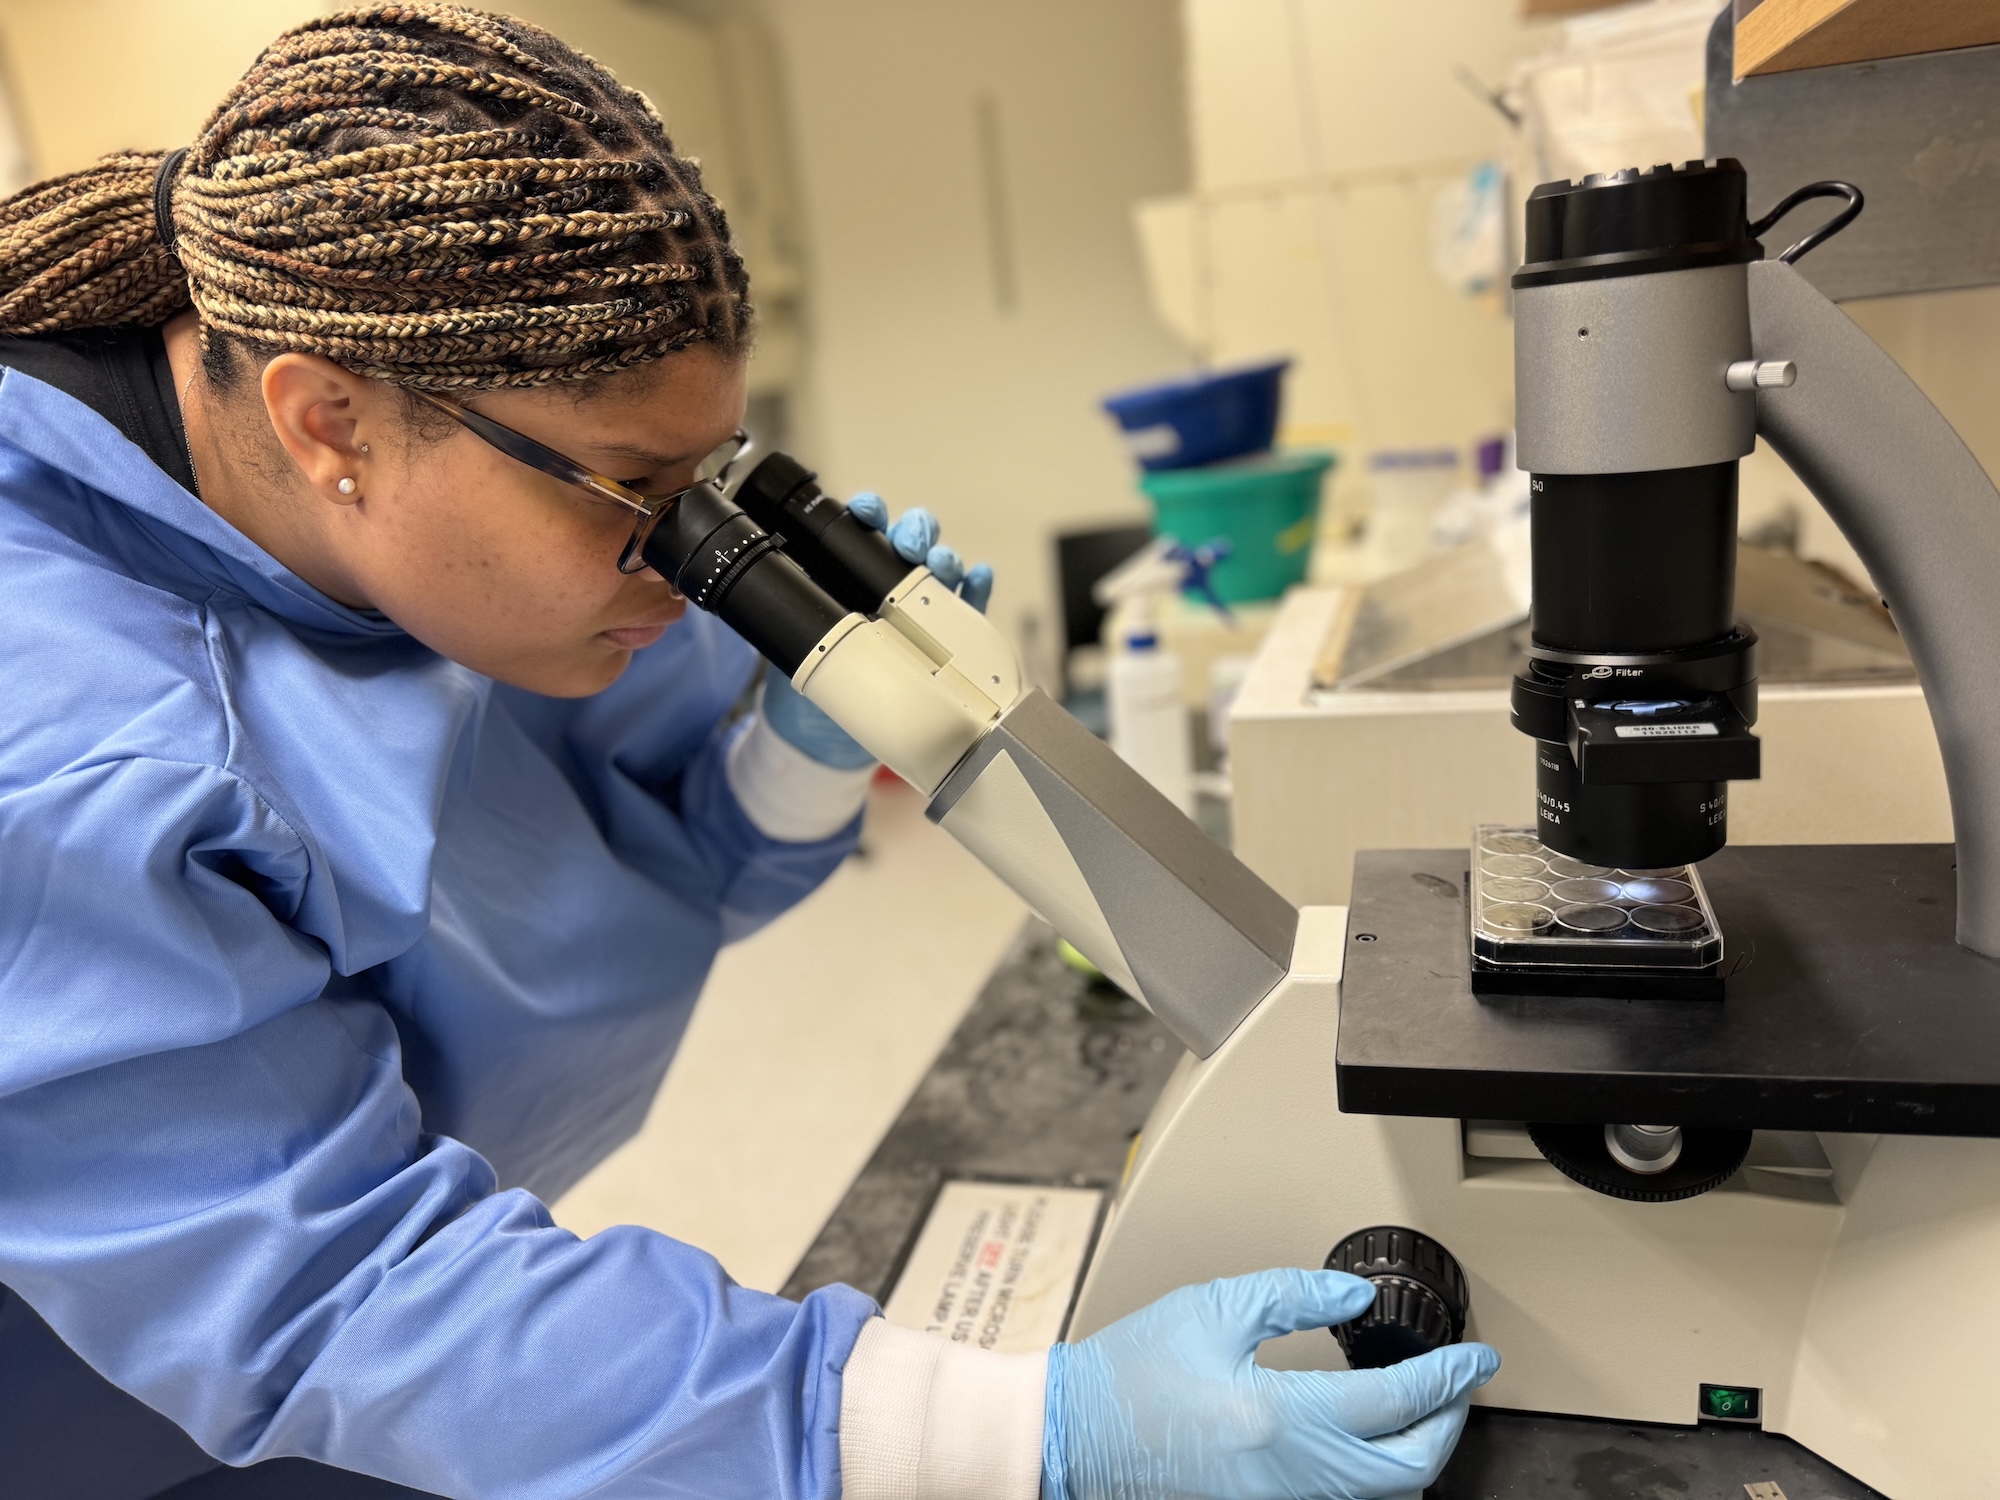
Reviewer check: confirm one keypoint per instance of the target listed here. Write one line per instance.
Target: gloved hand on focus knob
(1169, 1401)
(802, 723)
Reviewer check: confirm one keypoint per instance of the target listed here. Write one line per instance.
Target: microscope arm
(1168, 914)
(927, 684)
(1925, 519)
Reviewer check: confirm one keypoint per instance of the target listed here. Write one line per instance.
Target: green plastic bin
(1267, 507)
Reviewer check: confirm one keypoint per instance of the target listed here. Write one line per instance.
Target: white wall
(715, 84)
(1323, 132)
(920, 383)
(95, 76)
(17, 160)
(1285, 88)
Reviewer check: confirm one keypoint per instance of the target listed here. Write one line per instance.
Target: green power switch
(1731, 1403)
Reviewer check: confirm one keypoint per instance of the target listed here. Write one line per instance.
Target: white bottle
(1149, 722)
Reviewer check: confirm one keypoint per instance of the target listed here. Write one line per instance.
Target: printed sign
(996, 1265)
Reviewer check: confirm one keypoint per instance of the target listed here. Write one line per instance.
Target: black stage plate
(1848, 1006)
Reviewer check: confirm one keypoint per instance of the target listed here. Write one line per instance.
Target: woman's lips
(650, 628)
(638, 637)
(635, 637)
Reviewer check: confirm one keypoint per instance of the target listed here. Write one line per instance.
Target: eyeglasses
(646, 509)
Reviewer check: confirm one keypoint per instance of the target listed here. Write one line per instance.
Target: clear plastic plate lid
(1533, 906)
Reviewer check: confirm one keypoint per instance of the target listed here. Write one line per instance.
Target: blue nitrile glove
(802, 723)
(915, 538)
(1169, 1401)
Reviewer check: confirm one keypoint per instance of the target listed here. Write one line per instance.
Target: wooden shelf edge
(1782, 36)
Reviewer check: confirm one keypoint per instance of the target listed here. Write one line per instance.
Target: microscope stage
(1848, 1006)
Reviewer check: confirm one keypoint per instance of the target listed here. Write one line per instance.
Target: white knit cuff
(922, 1418)
(787, 794)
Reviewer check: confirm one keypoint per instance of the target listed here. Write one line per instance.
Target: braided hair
(427, 194)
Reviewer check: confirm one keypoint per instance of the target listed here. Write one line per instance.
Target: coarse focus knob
(1421, 1298)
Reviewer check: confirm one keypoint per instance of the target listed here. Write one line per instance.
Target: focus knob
(1421, 1298)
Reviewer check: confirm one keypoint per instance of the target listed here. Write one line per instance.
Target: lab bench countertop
(1046, 1080)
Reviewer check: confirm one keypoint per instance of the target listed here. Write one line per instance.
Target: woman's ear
(320, 412)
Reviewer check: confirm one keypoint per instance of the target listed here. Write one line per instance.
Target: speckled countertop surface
(1046, 1080)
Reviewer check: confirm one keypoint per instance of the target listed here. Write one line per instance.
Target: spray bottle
(1144, 696)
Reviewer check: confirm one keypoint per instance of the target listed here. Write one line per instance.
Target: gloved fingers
(946, 564)
(977, 590)
(914, 534)
(1265, 1304)
(870, 509)
(915, 538)
(1369, 1403)
(806, 727)
(1411, 1460)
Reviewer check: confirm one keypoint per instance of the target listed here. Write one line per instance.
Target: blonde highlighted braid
(424, 193)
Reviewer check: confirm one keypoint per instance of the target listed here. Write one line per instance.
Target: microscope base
(1857, 1303)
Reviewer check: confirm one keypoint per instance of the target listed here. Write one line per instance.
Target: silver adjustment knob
(1645, 1149)
(1760, 374)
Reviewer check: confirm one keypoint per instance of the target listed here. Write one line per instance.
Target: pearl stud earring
(346, 486)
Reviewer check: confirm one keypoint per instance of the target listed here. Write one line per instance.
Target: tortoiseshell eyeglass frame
(646, 509)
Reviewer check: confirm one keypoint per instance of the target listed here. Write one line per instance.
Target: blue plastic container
(1201, 419)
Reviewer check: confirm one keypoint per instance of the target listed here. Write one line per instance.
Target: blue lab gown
(325, 963)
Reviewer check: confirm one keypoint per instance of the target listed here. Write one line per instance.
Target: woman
(366, 833)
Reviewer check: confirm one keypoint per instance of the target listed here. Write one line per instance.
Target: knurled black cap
(1421, 1297)
(1638, 220)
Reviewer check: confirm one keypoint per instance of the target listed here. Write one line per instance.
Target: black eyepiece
(851, 561)
(730, 566)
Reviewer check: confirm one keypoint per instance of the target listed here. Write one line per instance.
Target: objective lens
(1632, 565)
(1644, 825)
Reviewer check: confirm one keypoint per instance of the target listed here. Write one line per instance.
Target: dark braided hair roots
(427, 194)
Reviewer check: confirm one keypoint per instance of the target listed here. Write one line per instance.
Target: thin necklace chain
(187, 387)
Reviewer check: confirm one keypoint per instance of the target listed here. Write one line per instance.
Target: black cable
(1826, 231)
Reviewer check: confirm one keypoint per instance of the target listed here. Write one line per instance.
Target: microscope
(1688, 1131)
